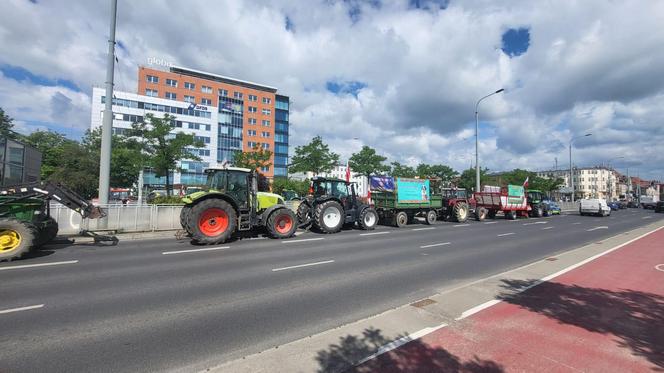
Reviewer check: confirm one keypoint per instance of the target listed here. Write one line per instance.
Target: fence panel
(121, 218)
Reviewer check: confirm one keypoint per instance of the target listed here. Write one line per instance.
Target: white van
(594, 206)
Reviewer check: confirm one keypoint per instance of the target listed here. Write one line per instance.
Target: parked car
(622, 204)
(552, 208)
(614, 205)
(659, 207)
(594, 206)
(633, 204)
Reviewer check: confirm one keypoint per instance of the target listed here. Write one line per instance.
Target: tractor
(455, 205)
(233, 203)
(332, 203)
(536, 203)
(25, 220)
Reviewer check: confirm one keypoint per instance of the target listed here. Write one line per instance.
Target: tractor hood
(194, 196)
(266, 200)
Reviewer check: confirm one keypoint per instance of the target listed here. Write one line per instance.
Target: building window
(206, 89)
(172, 82)
(266, 146)
(190, 99)
(189, 85)
(251, 132)
(223, 93)
(152, 79)
(171, 96)
(266, 123)
(253, 98)
(265, 134)
(252, 120)
(151, 92)
(265, 169)
(252, 109)
(266, 111)
(237, 95)
(251, 144)
(267, 100)
(206, 101)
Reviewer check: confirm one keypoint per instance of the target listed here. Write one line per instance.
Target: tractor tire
(303, 215)
(212, 221)
(492, 214)
(480, 213)
(545, 213)
(47, 232)
(184, 219)
(460, 212)
(510, 215)
(430, 217)
(16, 238)
(329, 217)
(282, 223)
(368, 219)
(401, 219)
(538, 211)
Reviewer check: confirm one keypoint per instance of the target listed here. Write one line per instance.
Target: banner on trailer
(515, 194)
(382, 183)
(413, 190)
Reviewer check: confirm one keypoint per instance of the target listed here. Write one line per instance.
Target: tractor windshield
(535, 196)
(332, 188)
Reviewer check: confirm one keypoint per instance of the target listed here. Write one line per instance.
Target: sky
(401, 76)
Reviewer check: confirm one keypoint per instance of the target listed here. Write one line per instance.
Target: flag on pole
(525, 183)
(347, 172)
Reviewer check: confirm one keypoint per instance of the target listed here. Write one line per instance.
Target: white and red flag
(347, 172)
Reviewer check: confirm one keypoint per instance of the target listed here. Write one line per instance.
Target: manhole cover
(423, 303)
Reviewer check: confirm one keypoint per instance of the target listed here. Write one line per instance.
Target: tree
(314, 157)
(7, 125)
(53, 147)
(254, 159)
(367, 162)
(126, 157)
(162, 148)
(467, 178)
(399, 170)
(280, 184)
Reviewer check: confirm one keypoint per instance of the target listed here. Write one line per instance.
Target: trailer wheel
(16, 238)
(212, 221)
(492, 214)
(480, 214)
(431, 217)
(401, 219)
(511, 215)
(461, 212)
(282, 223)
(368, 219)
(303, 214)
(329, 217)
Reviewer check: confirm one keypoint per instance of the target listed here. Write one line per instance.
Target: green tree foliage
(314, 157)
(400, 170)
(467, 178)
(253, 159)
(7, 125)
(445, 173)
(366, 162)
(126, 157)
(162, 148)
(54, 147)
(519, 176)
(281, 184)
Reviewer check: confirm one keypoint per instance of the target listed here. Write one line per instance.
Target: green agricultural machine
(536, 203)
(25, 220)
(233, 203)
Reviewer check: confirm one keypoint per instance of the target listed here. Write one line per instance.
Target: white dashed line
(424, 229)
(22, 309)
(547, 228)
(647, 217)
(537, 222)
(304, 240)
(576, 223)
(195, 250)
(506, 234)
(374, 233)
(596, 228)
(38, 265)
(435, 244)
(302, 265)
(491, 222)
(462, 225)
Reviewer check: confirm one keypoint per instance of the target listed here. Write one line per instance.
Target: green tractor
(25, 220)
(333, 203)
(536, 202)
(233, 203)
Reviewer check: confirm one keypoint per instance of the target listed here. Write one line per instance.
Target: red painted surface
(605, 316)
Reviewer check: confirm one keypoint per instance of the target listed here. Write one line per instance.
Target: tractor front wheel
(212, 221)
(304, 214)
(16, 238)
(460, 212)
(368, 219)
(329, 217)
(282, 223)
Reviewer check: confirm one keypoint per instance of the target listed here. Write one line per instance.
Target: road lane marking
(22, 309)
(435, 244)
(424, 229)
(302, 265)
(596, 228)
(576, 223)
(491, 222)
(462, 225)
(195, 250)
(537, 222)
(400, 342)
(547, 228)
(647, 217)
(39, 265)
(304, 240)
(374, 233)
(506, 234)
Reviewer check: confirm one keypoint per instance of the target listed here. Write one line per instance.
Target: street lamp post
(477, 146)
(571, 172)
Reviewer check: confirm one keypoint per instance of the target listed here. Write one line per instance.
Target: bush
(164, 200)
(281, 183)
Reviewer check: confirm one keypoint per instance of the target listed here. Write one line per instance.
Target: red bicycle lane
(604, 316)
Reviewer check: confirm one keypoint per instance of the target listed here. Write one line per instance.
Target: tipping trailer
(399, 200)
(510, 200)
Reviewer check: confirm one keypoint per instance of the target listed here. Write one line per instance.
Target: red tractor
(456, 206)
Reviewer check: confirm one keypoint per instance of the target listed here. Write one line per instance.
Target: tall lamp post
(477, 146)
(571, 173)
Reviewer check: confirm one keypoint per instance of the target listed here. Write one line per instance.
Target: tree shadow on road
(635, 318)
(412, 357)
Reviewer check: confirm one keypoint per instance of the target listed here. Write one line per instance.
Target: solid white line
(506, 234)
(547, 228)
(537, 222)
(596, 228)
(423, 229)
(195, 250)
(374, 233)
(477, 309)
(491, 222)
(462, 225)
(400, 342)
(434, 245)
(304, 240)
(39, 265)
(303, 265)
(22, 308)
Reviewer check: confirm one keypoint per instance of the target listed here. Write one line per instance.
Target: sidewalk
(605, 316)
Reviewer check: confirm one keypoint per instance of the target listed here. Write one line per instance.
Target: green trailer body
(407, 199)
(390, 200)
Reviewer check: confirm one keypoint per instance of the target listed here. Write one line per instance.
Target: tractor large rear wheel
(16, 238)
(368, 219)
(303, 214)
(282, 223)
(329, 217)
(460, 212)
(212, 221)
(184, 218)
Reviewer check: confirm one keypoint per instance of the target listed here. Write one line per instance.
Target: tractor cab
(535, 196)
(335, 188)
(240, 183)
(454, 193)
(535, 200)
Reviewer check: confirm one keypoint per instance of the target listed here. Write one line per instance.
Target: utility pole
(107, 125)
(477, 146)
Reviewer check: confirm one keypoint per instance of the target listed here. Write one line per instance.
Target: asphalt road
(146, 306)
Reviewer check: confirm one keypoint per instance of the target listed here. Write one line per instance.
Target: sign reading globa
(412, 190)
